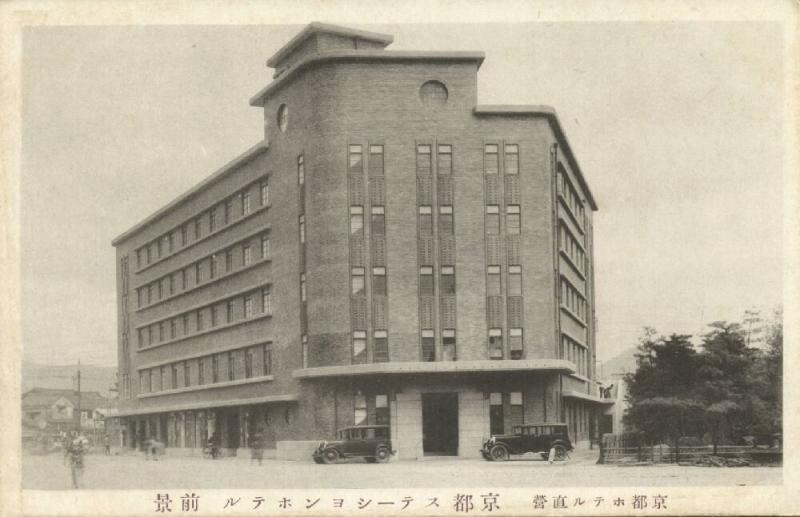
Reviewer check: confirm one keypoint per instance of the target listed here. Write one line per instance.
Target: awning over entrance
(548, 365)
(569, 394)
(211, 404)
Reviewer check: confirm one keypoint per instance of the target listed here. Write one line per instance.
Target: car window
(381, 432)
(370, 433)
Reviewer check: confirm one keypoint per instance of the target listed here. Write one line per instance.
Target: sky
(676, 126)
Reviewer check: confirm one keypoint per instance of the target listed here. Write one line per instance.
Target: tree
(661, 392)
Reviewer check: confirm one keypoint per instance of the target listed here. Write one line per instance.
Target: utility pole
(79, 396)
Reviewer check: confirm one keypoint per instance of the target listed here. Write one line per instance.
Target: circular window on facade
(283, 117)
(433, 94)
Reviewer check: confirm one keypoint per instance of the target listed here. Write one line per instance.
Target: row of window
(578, 354)
(377, 221)
(444, 159)
(491, 159)
(515, 343)
(570, 195)
(379, 404)
(301, 229)
(572, 299)
(356, 160)
(199, 320)
(205, 223)
(569, 245)
(243, 363)
(513, 220)
(513, 281)
(498, 402)
(380, 346)
(206, 269)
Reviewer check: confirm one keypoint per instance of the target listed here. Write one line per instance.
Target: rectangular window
(264, 246)
(356, 161)
(517, 414)
(214, 316)
(379, 281)
(231, 367)
(248, 306)
(301, 170)
(215, 368)
(149, 380)
(161, 331)
(302, 225)
(445, 159)
(360, 410)
(378, 221)
(302, 287)
(515, 346)
(493, 287)
(446, 226)
(173, 328)
(496, 424)
(495, 343)
(138, 259)
(513, 223)
(514, 281)
(201, 376)
(490, 159)
(197, 228)
(376, 160)
(212, 220)
(423, 160)
(171, 285)
(198, 272)
(426, 281)
(228, 261)
(357, 281)
(359, 347)
(185, 324)
(174, 376)
(380, 342)
(356, 221)
(247, 257)
(267, 359)
(266, 301)
(304, 350)
(493, 220)
(141, 383)
(381, 410)
(245, 202)
(212, 266)
(447, 285)
(149, 294)
(512, 159)
(228, 210)
(264, 192)
(187, 380)
(425, 221)
(158, 248)
(170, 242)
(184, 235)
(199, 320)
(248, 363)
(184, 280)
(428, 342)
(160, 290)
(229, 312)
(448, 345)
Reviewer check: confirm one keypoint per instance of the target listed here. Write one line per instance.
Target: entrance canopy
(210, 404)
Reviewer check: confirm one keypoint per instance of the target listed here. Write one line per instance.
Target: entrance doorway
(440, 424)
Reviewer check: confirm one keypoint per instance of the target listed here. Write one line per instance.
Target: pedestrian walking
(107, 445)
(256, 449)
(75, 453)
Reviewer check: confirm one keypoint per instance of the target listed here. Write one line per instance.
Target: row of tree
(722, 391)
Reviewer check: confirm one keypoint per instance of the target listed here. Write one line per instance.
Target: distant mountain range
(623, 362)
(93, 378)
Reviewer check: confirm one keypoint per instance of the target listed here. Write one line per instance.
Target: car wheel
(560, 453)
(382, 455)
(330, 456)
(499, 453)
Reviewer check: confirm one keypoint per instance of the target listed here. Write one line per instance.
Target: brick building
(392, 252)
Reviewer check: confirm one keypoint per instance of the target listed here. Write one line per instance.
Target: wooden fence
(631, 449)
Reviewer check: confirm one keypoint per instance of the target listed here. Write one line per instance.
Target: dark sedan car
(370, 442)
(536, 438)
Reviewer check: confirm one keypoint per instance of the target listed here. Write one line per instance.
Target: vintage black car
(536, 438)
(370, 442)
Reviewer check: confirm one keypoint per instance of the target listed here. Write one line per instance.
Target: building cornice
(535, 110)
(569, 394)
(363, 55)
(210, 404)
(407, 367)
(240, 160)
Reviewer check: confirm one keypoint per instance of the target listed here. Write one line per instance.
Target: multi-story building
(392, 252)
